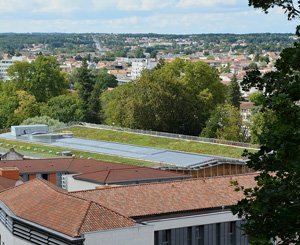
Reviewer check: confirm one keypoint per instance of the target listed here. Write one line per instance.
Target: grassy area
(158, 142)
(45, 151)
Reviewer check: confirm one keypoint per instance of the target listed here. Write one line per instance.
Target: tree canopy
(272, 208)
(176, 97)
(42, 78)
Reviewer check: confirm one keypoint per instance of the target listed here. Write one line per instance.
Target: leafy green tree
(224, 123)
(8, 102)
(27, 107)
(176, 97)
(234, 93)
(42, 78)
(65, 108)
(272, 208)
(20, 72)
(139, 53)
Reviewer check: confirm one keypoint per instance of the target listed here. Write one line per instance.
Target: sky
(139, 16)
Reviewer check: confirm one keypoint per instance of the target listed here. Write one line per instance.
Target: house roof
(6, 183)
(246, 105)
(45, 204)
(123, 175)
(171, 197)
(90, 170)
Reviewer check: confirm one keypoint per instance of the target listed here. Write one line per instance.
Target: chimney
(10, 173)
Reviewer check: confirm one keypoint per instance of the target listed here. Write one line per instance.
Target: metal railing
(170, 135)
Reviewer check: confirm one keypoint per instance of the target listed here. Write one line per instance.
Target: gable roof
(45, 204)
(126, 175)
(6, 183)
(171, 197)
(90, 170)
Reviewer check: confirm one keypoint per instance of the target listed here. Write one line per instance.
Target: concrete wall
(72, 184)
(141, 235)
(28, 129)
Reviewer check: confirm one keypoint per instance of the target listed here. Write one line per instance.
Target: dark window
(200, 235)
(44, 176)
(218, 234)
(189, 235)
(156, 238)
(232, 233)
(166, 237)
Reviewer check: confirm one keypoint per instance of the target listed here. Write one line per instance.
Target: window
(218, 234)
(200, 235)
(156, 238)
(232, 233)
(166, 237)
(189, 235)
(44, 176)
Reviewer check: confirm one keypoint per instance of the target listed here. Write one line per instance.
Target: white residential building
(5, 64)
(138, 65)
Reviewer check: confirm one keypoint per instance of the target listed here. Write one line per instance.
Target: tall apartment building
(5, 64)
(138, 65)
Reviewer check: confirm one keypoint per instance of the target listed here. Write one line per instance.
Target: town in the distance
(129, 139)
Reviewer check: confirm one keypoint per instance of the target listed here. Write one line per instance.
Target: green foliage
(272, 208)
(65, 108)
(27, 106)
(176, 97)
(139, 53)
(224, 123)
(42, 78)
(234, 93)
(86, 81)
(43, 120)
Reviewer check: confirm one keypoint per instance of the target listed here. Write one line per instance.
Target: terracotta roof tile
(170, 197)
(6, 183)
(130, 174)
(40, 202)
(87, 167)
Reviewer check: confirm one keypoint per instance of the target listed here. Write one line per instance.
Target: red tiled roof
(6, 183)
(40, 202)
(246, 105)
(123, 175)
(170, 197)
(93, 170)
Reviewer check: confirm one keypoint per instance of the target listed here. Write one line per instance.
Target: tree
(271, 209)
(65, 108)
(27, 107)
(176, 97)
(42, 78)
(224, 123)
(234, 93)
(86, 81)
(139, 53)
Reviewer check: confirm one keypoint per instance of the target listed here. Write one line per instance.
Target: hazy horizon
(140, 16)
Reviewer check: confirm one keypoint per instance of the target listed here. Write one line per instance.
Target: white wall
(7, 237)
(78, 185)
(186, 221)
(28, 129)
(141, 235)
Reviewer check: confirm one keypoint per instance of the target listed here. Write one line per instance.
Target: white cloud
(133, 5)
(204, 3)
